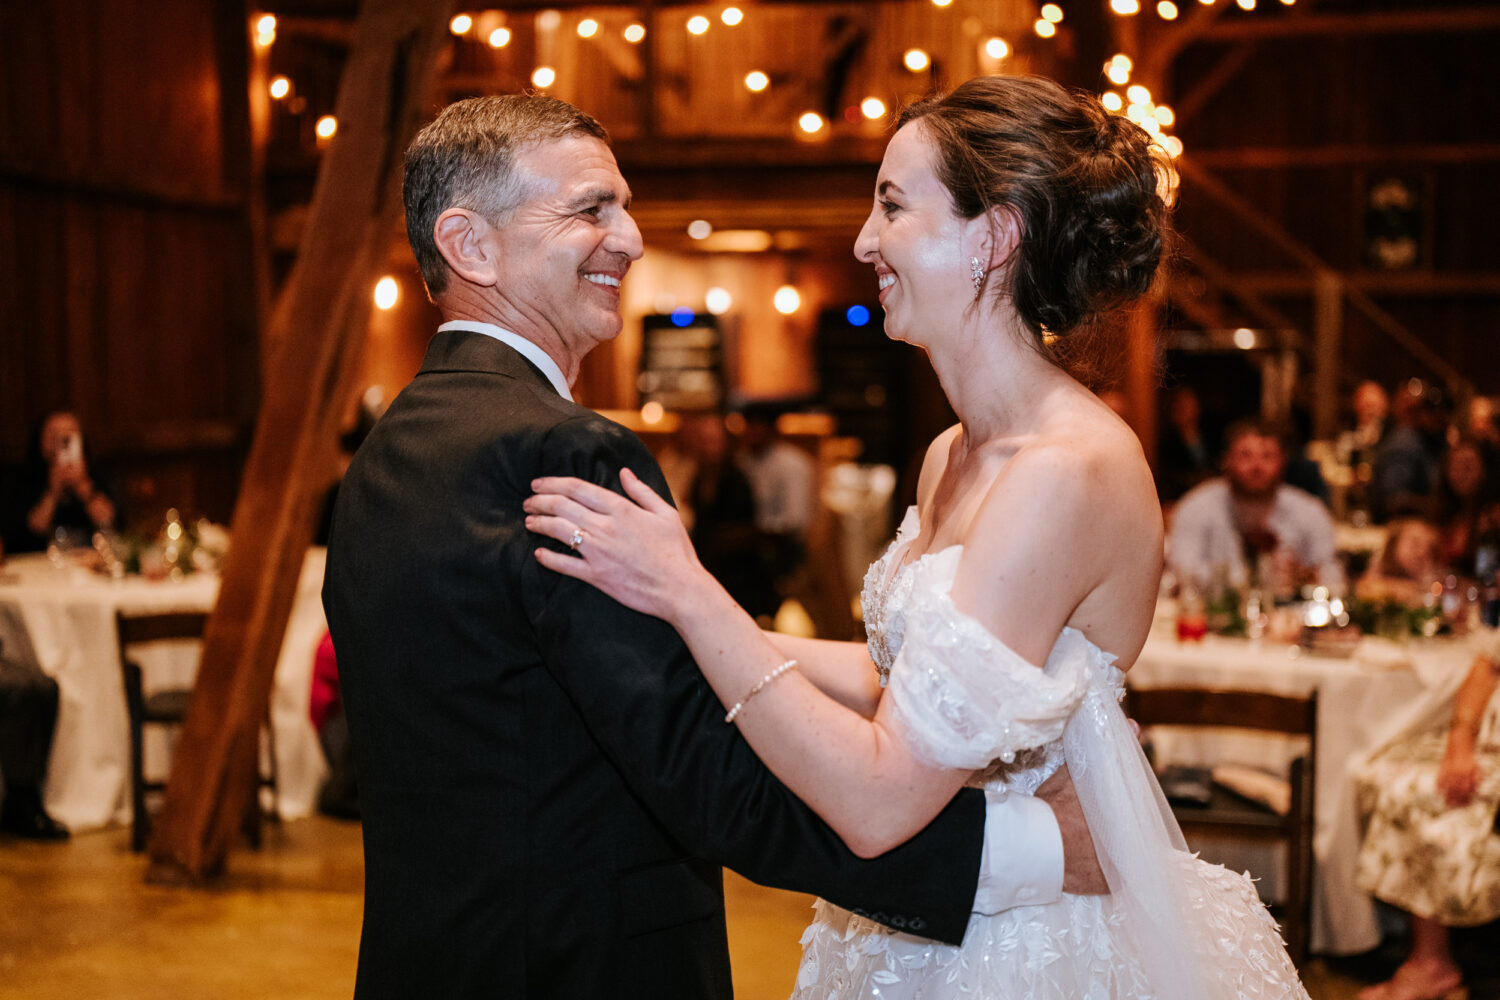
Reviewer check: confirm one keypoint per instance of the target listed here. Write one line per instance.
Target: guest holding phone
(56, 490)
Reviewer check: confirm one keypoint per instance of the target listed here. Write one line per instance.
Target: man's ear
(463, 238)
(1004, 235)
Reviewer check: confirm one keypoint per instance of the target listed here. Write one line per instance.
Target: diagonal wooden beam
(1278, 236)
(317, 333)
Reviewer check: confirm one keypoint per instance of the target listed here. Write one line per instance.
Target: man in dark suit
(547, 784)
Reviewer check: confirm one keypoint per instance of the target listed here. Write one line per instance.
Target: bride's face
(916, 243)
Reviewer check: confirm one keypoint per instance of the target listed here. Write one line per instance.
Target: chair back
(1229, 815)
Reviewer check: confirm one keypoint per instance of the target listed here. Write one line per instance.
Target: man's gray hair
(465, 158)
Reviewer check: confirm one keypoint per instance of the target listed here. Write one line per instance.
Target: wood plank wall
(126, 281)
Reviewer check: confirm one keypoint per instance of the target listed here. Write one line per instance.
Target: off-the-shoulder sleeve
(961, 696)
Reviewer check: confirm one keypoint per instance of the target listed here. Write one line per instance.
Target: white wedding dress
(1172, 928)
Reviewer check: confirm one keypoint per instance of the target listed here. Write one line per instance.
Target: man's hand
(1082, 875)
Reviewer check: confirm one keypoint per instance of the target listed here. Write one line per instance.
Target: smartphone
(71, 452)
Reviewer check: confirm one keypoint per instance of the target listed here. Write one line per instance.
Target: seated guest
(1411, 560)
(55, 491)
(28, 716)
(1430, 844)
(1405, 472)
(1184, 455)
(1465, 497)
(1248, 519)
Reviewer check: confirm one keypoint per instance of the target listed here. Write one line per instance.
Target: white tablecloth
(65, 619)
(1363, 702)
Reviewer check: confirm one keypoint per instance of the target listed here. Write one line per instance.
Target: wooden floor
(77, 922)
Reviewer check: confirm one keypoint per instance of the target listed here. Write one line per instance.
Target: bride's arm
(841, 670)
(858, 774)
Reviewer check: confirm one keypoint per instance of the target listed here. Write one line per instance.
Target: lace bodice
(964, 698)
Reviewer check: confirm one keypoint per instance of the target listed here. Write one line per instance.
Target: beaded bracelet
(788, 665)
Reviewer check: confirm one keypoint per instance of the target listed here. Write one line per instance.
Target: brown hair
(465, 158)
(1084, 186)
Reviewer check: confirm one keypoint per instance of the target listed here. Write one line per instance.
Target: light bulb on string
(499, 38)
(916, 60)
(461, 24)
(1044, 28)
(1052, 12)
(996, 48)
(872, 108)
(544, 76)
(1125, 7)
(588, 27)
(697, 24)
(756, 81)
(1166, 10)
(634, 33)
(811, 122)
(732, 16)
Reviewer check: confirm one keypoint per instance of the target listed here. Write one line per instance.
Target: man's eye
(888, 207)
(592, 212)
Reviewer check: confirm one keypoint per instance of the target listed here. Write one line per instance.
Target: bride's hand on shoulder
(633, 547)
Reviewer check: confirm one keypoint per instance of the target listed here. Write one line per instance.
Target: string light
(718, 301)
(916, 60)
(1052, 12)
(697, 24)
(811, 122)
(634, 33)
(1173, 146)
(1111, 101)
(544, 76)
(786, 300)
(756, 81)
(700, 229)
(1166, 10)
(941, 3)
(1138, 94)
(1044, 28)
(587, 28)
(1164, 115)
(1126, 7)
(499, 38)
(387, 293)
(326, 127)
(996, 48)
(1118, 71)
(461, 24)
(280, 87)
(265, 30)
(1246, 4)
(872, 108)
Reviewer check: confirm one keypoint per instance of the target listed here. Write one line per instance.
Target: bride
(1008, 216)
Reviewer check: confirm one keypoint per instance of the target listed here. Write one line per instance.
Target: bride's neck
(994, 378)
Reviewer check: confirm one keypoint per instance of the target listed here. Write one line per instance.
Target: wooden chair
(1228, 814)
(168, 707)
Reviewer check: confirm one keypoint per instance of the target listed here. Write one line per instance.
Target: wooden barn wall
(126, 275)
(1361, 106)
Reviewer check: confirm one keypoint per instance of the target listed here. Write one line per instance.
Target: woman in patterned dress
(1430, 845)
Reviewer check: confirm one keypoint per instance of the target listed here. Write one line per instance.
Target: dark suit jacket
(547, 783)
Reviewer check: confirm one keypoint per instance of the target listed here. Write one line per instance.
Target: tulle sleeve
(963, 699)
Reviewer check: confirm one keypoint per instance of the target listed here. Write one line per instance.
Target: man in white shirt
(1248, 520)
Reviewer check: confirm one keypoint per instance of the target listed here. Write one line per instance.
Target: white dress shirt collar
(528, 350)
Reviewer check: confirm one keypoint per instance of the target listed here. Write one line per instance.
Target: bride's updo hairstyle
(1082, 183)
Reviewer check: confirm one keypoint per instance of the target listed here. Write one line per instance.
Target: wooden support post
(317, 332)
(1328, 335)
(1141, 372)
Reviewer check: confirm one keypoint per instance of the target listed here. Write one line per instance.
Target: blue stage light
(857, 315)
(682, 316)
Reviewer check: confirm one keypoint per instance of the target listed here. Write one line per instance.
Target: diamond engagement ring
(576, 540)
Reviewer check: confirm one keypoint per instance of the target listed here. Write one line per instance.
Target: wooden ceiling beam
(1280, 158)
(1412, 22)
